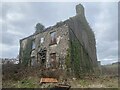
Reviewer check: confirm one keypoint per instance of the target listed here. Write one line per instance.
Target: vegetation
(68, 61)
(39, 28)
(81, 64)
(26, 55)
(17, 76)
(110, 69)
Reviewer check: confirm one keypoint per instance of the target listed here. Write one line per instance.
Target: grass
(29, 78)
(33, 82)
(30, 82)
(99, 82)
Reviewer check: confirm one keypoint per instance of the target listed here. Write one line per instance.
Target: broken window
(42, 55)
(53, 38)
(33, 44)
(42, 40)
(53, 62)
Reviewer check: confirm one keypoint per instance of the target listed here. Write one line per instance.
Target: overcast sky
(18, 20)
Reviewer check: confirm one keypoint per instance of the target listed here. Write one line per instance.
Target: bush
(51, 73)
(109, 69)
(11, 71)
(17, 72)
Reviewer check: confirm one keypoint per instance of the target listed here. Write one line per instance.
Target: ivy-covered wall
(25, 53)
(77, 59)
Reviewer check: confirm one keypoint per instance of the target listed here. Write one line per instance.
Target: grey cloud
(33, 13)
(105, 27)
(9, 52)
(109, 61)
(9, 39)
(91, 11)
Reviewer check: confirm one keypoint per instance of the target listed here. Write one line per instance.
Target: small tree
(39, 28)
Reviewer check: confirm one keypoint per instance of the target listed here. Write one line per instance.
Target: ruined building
(68, 45)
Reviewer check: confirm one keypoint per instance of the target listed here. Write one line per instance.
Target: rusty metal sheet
(48, 80)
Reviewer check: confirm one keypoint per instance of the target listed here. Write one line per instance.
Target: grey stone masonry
(49, 47)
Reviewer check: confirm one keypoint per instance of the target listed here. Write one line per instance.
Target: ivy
(39, 28)
(27, 52)
(67, 59)
(80, 61)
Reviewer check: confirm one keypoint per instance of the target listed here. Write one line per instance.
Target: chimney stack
(80, 10)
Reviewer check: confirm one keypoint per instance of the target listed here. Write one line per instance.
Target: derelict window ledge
(32, 49)
(52, 44)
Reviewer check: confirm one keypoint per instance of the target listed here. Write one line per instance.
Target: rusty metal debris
(48, 80)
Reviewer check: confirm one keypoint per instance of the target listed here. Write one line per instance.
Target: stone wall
(62, 37)
(83, 56)
(75, 46)
(80, 27)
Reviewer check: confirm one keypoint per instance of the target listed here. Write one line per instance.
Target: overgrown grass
(98, 82)
(33, 82)
(30, 82)
(17, 76)
(110, 69)
(21, 77)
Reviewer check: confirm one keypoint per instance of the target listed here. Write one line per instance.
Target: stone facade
(49, 48)
(43, 41)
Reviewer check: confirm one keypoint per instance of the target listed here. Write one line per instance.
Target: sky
(18, 20)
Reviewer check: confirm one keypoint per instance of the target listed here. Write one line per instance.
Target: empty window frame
(33, 44)
(41, 40)
(53, 38)
(53, 62)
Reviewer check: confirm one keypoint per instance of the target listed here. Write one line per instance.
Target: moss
(80, 60)
(67, 59)
(76, 58)
(27, 52)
